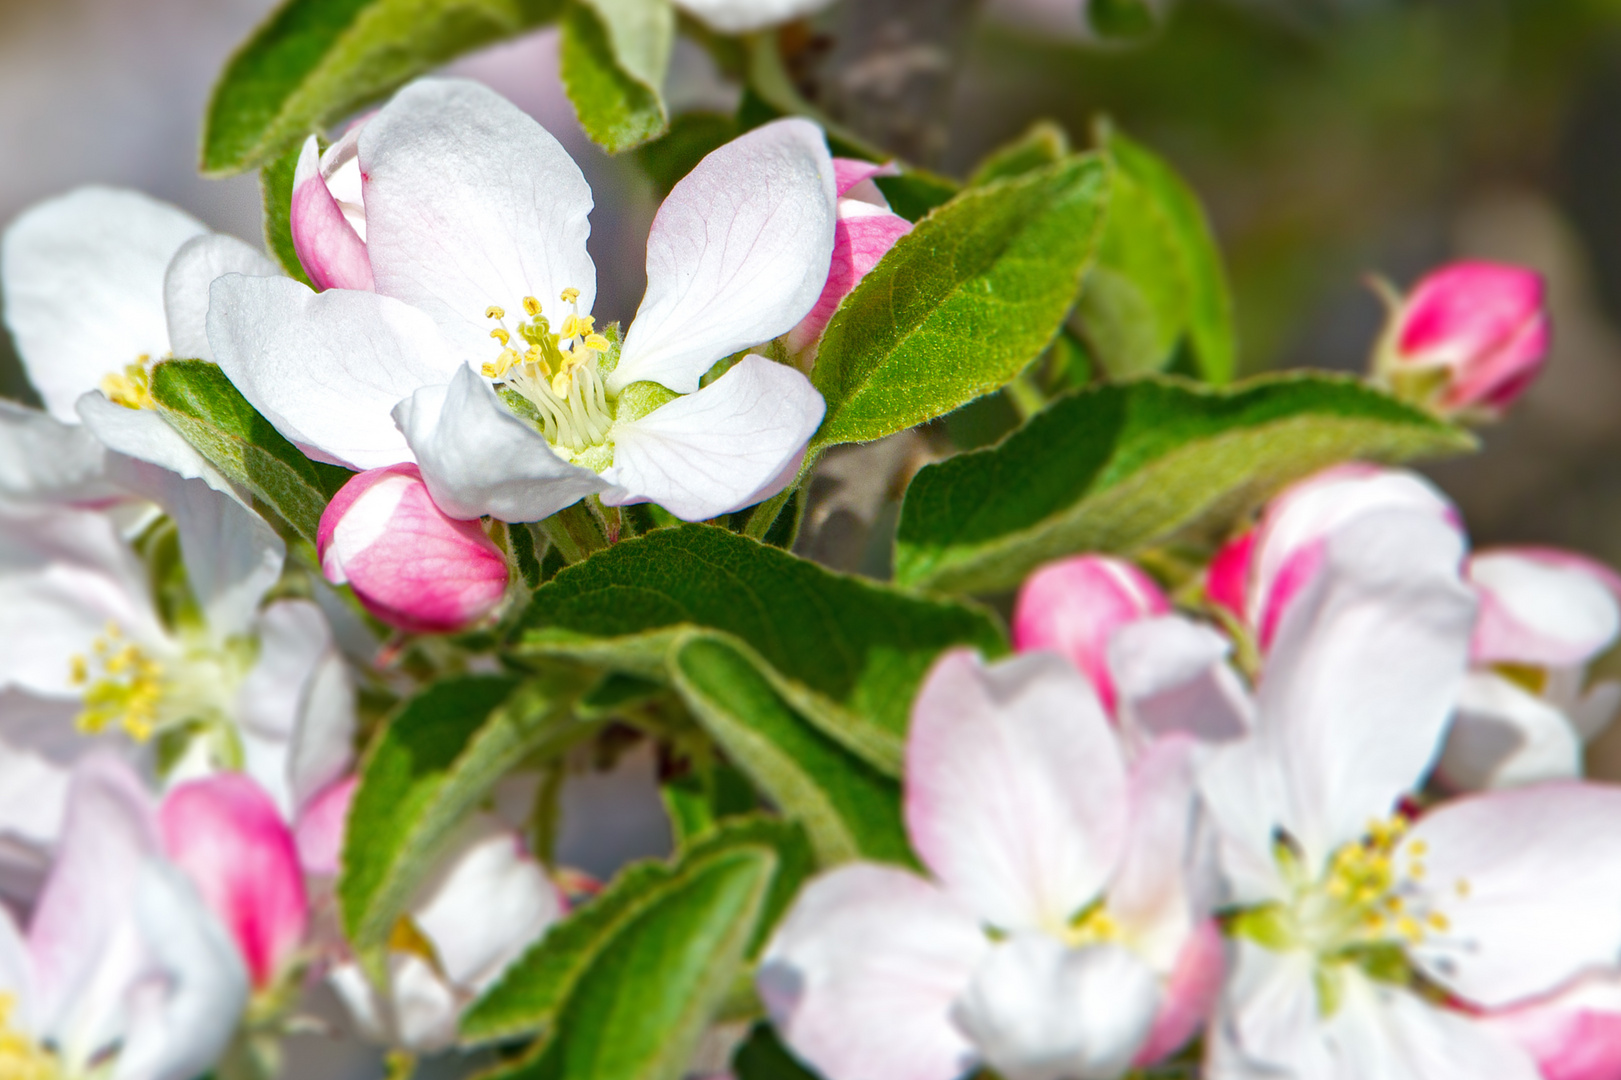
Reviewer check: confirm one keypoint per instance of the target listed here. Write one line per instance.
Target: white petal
(1545, 608)
(83, 281)
(1247, 797)
(1542, 867)
(1592, 712)
(196, 987)
(860, 976)
(1269, 1022)
(744, 16)
(185, 287)
(1038, 1010)
(1015, 787)
(1171, 675)
(424, 1007)
(369, 1013)
(39, 745)
(738, 254)
(326, 369)
(16, 976)
(1151, 897)
(478, 458)
(1503, 736)
(1363, 673)
(44, 459)
(143, 434)
(717, 450)
(485, 904)
(469, 203)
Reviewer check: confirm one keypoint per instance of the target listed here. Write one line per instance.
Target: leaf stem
(576, 532)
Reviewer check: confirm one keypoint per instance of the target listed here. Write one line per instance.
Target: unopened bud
(327, 217)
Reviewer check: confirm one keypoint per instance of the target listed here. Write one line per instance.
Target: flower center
(131, 388)
(20, 1057)
(124, 687)
(557, 373)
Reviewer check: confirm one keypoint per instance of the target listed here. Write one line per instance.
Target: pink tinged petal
(1484, 321)
(850, 172)
(83, 966)
(185, 287)
(1073, 607)
(738, 254)
(229, 838)
(320, 828)
(1015, 788)
(1189, 995)
(329, 249)
(1172, 677)
(1364, 672)
(469, 203)
(327, 369)
(860, 240)
(1228, 577)
(861, 974)
(412, 565)
(92, 260)
(486, 903)
(744, 16)
(478, 458)
(1150, 897)
(43, 459)
(1038, 1010)
(1542, 895)
(1574, 1034)
(720, 449)
(195, 989)
(1503, 736)
(1543, 607)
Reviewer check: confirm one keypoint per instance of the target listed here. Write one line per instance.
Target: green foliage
(538, 990)
(690, 138)
(276, 192)
(763, 1057)
(1044, 144)
(1118, 468)
(202, 404)
(846, 653)
(614, 57)
(1125, 20)
(962, 303)
(429, 767)
(313, 62)
(1159, 278)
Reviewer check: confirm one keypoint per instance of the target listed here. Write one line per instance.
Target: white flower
(1060, 936)
(475, 232)
(124, 973)
(746, 16)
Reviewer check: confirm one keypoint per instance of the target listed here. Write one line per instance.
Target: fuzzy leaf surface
(614, 57)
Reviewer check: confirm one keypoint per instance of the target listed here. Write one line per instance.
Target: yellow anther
(126, 691)
(501, 335)
(570, 327)
(1419, 849)
(1092, 926)
(570, 295)
(80, 673)
(132, 388)
(531, 305)
(597, 342)
(20, 1057)
(495, 312)
(1438, 921)
(1409, 928)
(1463, 887)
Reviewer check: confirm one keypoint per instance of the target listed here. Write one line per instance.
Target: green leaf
(915, 192)
(313, 62)
(849, 808)
(531, 993)
(691, 137)
(698, 801)
(1044, 144)
(763, 1057)
(429, 767)
(276, 191)
(1122, 20)
(845, 652)
(614, 57)
(962, 303)
(1159, 277)
(202, 404)
(1121, 467)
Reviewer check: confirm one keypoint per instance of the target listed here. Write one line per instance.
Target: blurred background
(1329, 139)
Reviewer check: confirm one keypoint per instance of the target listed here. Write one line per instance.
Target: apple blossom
(865, 232)
(476, 357)
(1060, 934)
(124, 973)
(1469, 338)
(1146, 663)
(1345, 898)
(1525, 712)
(409, 563)
(1573, 1034)
(486, 903)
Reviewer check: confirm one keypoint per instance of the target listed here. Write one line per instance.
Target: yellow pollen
(121, 686)
(570, 295)
(1092, 926)
(501, 335)
(20, 1057)
(1438, 922)
(531, 305)
(407, 937)
(495, 311)
(1463, 887)
(131, 388)
(597, 342)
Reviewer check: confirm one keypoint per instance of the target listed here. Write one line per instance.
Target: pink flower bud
(1190, 994)
(412, 565)
(1074, 606)
(1482, 325)
(226, 834)
(328, 214)
(321, 825)
(1575, 1034)
(865, 231)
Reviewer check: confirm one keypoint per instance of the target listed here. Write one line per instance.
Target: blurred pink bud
(412, 565)
(1074, 606)
(865, 231)
(226, 834)
(1575, 1034)
(1190, 994)
(320, 828)
(1483, 325)
(328, 214)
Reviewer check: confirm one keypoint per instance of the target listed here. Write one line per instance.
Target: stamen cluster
(558, 373)
(122, 686)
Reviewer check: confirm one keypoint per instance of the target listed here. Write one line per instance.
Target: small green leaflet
(614, 57)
